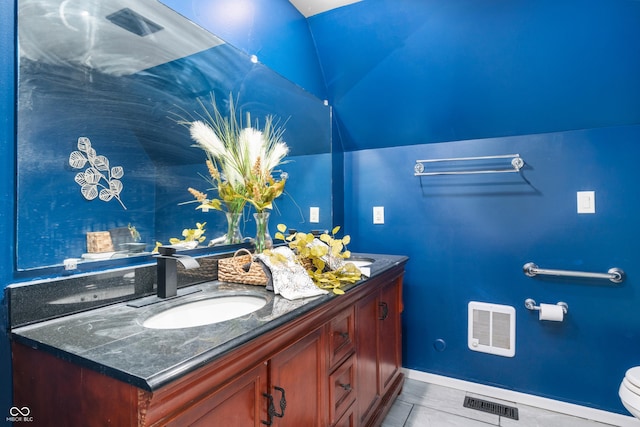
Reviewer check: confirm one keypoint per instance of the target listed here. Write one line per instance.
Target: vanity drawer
(342, 391)
(348, 419)
(341, 336)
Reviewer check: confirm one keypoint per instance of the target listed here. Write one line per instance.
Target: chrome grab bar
(616, 275)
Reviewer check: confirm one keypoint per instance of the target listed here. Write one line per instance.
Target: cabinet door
(367, 356)
(298, 383)
(239, 403)
(389, 352)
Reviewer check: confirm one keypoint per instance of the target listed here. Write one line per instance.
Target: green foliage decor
(324, 262)
(240, 157)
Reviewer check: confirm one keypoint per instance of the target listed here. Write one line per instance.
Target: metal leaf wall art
(98, 180)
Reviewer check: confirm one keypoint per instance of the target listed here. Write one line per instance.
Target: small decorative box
(99, 241)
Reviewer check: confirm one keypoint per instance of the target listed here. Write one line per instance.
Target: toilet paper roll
(551, 312)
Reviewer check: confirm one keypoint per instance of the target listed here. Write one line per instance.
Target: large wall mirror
(115, 72)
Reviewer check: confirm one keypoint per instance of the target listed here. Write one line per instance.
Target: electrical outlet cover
(378, 214)
(314, 214)
(586, 202)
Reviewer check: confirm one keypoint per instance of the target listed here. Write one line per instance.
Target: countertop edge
(166, 376)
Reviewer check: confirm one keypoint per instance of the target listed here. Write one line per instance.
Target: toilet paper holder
(530, 304)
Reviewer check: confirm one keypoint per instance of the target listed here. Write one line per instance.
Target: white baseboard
(526, 399)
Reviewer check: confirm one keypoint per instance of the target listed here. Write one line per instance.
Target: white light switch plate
(586, 202)
(314, 214)
(378, 214)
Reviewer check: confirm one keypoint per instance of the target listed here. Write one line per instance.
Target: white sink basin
(359, 263)
(205, 312)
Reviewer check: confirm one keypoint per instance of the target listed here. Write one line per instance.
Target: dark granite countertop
(112, 339)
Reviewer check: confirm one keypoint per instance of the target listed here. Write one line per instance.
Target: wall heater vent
(492, 328)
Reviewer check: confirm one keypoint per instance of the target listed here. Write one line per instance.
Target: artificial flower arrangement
(323, 257)
(240, 160)
(228, 195)
(191, 237)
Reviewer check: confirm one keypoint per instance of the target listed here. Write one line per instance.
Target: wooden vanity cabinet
(389, 334)
(298, 377)
(293, 394)
(336, 365)
(240, 403)
(378, 338)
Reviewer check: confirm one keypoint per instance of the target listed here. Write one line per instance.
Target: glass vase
(233, 228)
(263, 238)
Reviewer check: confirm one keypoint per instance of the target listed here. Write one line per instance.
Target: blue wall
(412, 72)
(554, 81)
(469, 236)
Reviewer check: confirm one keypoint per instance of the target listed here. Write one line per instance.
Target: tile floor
(428, 405)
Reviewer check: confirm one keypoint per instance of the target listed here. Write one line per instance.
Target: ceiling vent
(134, 22)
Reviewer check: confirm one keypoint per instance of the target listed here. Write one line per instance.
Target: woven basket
(99, 241)
(231, 269)
(208, 270)
(307, 264)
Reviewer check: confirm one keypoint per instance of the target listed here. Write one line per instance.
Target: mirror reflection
(114, 73)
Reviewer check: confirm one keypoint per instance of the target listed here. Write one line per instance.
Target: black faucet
(167, 271)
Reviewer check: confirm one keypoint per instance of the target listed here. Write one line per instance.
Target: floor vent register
(491, 407)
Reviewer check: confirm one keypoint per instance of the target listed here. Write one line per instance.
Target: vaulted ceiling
(313, 7)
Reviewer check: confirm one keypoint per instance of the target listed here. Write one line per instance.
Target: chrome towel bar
(616, 275)
(516, 163)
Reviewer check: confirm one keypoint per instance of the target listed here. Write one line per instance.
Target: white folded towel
(289, 278)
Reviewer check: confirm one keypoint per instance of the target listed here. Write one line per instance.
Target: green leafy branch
(324, 262)
(91, 180)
